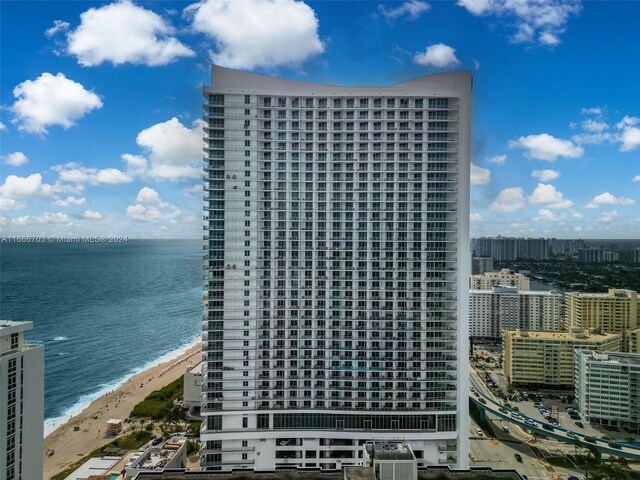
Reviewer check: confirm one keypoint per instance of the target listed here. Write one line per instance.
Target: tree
(615, 468)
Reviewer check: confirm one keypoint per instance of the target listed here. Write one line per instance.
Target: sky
(101, 103)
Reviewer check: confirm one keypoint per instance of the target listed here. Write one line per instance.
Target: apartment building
(337, 270)
(546, 359)
(480, 265)
(507, 308)
(613, 312)
(504, 278)
(21, 404)
(608, 388)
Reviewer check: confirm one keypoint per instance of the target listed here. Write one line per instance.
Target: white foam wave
(60, 339)
(51, 424)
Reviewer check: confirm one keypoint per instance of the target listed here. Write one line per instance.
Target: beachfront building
(21, 403)
(616, 311)
(503, 308)
(505, 278)
(544, 359)
(192, 393)
(608, 388)
(337, 270)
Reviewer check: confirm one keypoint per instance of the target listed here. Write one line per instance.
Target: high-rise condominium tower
(337, 270)
(21, 404)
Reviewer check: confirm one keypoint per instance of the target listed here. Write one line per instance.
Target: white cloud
(258, 33)
(591, 125)
(438, 55)
(547, 215)
(15, 159)
(498, 159)
(476, 64)
(630, 134)
(26, 187)
(636, 179)
(475, 217)
(70, 201)
(411, 9)
(546, 147)
(545, 175)
(608, 199)
(196, 189)
(10, 204)
(123, 32)
(508, 200)
(541, 19)
(58, 26)
(51, 100)
(592, 111)
(592, 138)
(173, 151)
(151, 208)
(43, 219)
(479, 175)
(546, 194)
(3, 127)
(92, 215)
(607, 217)
(75, 173)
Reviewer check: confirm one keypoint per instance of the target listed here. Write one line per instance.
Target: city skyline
(103, 137)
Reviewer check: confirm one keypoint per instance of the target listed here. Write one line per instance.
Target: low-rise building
(157, 458)
(505, 277)
(545, 359)
(507, 308)
(608, 388)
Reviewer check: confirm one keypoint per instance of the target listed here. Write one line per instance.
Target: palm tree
(576, 445)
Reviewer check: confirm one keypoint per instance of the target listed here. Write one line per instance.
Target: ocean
(103, 311)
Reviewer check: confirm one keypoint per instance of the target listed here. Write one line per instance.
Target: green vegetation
(131, 441)
(159, 405)
(192, 448)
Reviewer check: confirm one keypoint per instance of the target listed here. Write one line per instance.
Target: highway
(491, 405)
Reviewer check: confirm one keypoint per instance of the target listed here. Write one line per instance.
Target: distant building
(94, 468)
(633, 341)
(505, 278)
(635, 255)
(597, 255)
(500, 308)
(613, 312)
(480, 265)
(546, 359)
(511, 248)
(192, 395)
(21, 404)
(608, 388)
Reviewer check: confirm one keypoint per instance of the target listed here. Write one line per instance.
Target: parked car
(505, 429)
(518, 457)
(580, 424)
(479, 432)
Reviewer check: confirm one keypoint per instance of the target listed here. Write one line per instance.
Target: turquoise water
(102, 311)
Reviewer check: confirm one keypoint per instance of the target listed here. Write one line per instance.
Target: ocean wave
(60, 339)
(51, 424)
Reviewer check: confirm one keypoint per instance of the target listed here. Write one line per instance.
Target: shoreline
(82, 432)
(52, 424)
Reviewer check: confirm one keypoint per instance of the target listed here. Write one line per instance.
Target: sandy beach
(70, 446)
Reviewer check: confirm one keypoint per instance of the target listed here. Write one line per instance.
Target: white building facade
(507, 308)
(505, 278)
(337, 270)
(21, 404)
(608, 388)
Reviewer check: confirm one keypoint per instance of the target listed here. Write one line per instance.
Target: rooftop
(575, 334)
(196, 369)
(390, 450)
(612, 358)
(8, 326)
(156, 458)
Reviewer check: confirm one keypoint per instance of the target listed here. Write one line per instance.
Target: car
(515, 409)
(479, 431)
(546, 426)
(552, 420)
(537, 404)
(516, 416)
(572, 434)
(483, 401)
(580, 424)
(472, 389)
(503, 410)
(157, 441)
(505, 429)
(518, 457)
(530, 421)
(615, 445)
(570, 409)
(476, 394)
(590, 439)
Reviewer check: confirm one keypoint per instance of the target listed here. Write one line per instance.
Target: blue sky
(100, 103)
